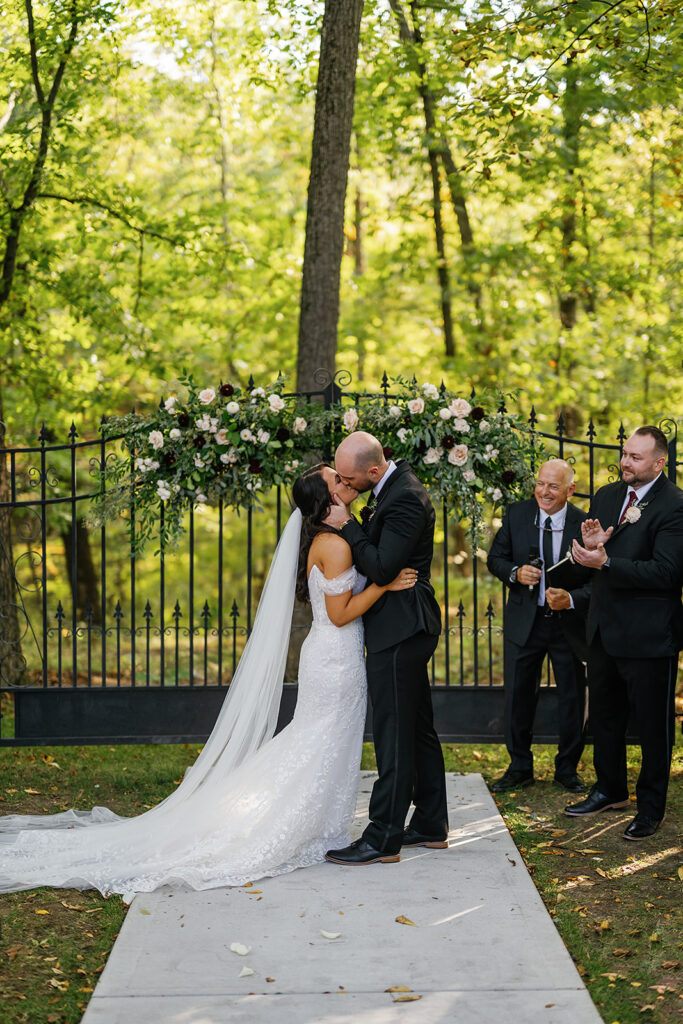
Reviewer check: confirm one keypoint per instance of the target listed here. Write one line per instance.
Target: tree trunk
(570, 159)
(87, 592)
(11, 660)
(327, 190)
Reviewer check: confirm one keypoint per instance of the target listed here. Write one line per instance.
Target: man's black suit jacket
(399, 534)
(511, 547)
(636, 602)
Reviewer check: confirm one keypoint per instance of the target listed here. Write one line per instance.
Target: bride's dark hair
(311, 495)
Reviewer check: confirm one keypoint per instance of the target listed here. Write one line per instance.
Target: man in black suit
(634, 543)
(542, 618)
(401, 633)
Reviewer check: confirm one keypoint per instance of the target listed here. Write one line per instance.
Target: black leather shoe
(594, 803)
(512, 780)
(572, 783)
(361, 852)
(411, 837)
(642, 827)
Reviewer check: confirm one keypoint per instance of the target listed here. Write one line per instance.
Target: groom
(401, 633)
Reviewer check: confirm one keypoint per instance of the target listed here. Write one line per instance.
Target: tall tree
(324, 244)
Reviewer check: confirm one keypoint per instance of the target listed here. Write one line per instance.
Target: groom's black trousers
(409, 756)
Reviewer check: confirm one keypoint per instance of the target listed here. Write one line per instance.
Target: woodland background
(512, 212)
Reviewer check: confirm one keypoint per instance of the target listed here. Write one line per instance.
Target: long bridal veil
(103, 850)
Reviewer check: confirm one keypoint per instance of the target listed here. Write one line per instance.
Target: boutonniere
(366, 513)
(633, 514)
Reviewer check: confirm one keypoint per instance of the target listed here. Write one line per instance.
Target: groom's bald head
(359, 460)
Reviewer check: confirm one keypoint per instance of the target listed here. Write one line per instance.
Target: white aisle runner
(482, 948)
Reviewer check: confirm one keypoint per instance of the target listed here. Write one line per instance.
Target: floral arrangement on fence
(470, 454)
(232, 444)
(213, 443)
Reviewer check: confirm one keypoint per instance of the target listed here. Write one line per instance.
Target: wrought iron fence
(111, 623)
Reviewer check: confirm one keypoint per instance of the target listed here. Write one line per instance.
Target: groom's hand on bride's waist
(338, 514)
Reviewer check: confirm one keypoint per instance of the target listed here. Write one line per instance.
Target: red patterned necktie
(632, 499)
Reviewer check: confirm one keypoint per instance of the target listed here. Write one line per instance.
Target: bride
(253, 804)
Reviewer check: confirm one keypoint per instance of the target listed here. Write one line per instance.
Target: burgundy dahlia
(388, 452)
(198, 441)
(169, 459)
(365, 513)
(226, 390)
(477, 413)
(282, 434)
(255, 466)
(508, 476)
(447, 442)
(421, 447)
(183, 420)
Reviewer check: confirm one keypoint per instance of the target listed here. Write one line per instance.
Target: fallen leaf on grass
(661, 989)
(246, 972)
(406, 999)
(605, 926)
(329, 935)
(671, 965)
(603, 874)
(70, 906)
(612, 976)
(41, 911)
(655, 937)
(402, 919)
(680, 870)
(648, 1006)
(622, 952)
(240, 948)
(558, 832)
(636, 984)
(476, 755)
(398, 988)
(61, 985)
(33, 792)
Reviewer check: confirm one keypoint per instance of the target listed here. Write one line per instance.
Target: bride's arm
(334, 558)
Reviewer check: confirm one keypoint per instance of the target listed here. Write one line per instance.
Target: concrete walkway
(482, 948)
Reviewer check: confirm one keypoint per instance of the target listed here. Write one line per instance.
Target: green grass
(615, 904)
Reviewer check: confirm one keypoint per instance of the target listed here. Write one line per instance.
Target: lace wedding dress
(253, 804)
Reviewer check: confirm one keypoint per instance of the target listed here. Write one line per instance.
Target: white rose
(257, 393)
(395, 411)
(175, 434)
(300, 425)
(141, 465)
(461, 425)
(207, 396)
(469, 475)
(432, 456)
(225, 458)
(275, 402)
(156, 439)
(169, 404)
(458, 456)
(415, 406)
(460, 408)
(430, 391)
(263, 436)
(200, 496)
(484, 426)
(445, 414)
(350, 419)
(163, 490)
(402, 434)
(221, 437)
(246, 434)
(496, 494)
(232, 408)
(199, 462)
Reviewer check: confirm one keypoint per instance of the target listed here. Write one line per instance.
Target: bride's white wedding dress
(253, 804)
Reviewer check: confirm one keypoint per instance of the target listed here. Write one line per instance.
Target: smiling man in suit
(401, 634)
(542, 619)
(633, 541)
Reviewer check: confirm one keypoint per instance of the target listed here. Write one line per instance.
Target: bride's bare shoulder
(330, 553)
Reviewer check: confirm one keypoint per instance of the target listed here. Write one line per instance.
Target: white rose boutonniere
(632, 514)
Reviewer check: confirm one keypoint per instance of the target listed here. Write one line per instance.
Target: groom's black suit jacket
(399, 534)
(636, 602)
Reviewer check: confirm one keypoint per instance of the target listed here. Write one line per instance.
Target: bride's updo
(311, 495)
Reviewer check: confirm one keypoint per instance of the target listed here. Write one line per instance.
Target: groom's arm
(402, 528)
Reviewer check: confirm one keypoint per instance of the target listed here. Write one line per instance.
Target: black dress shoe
(594, 803)
(512, 780)
(642, 827)
(572, 783)
(361, 852)
(411, 837)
